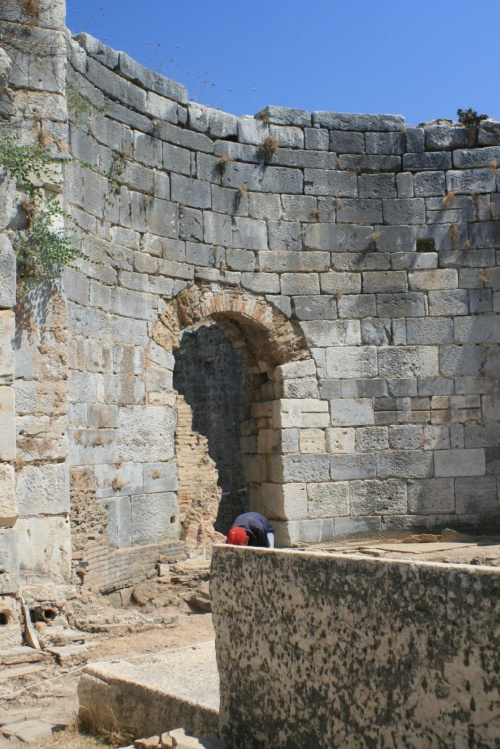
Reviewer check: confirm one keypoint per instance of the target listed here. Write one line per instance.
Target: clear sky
(419, 58)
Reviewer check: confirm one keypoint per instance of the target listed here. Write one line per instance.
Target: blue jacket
(257, 527)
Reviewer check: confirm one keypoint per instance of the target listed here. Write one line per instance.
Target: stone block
(302, 387)
(385, 143)
(299, 283)
(476, 495)
(284, 501)
(427, 184)
(8, 505)
(7, 273)
(101, 416)
(316, 139)
(43, 490)
(332, 333)
(371, 439)
(415, 139)
(287, 136)
(154, 517)
(314, 307)
(324, 236)
(425, 331)
(357, 305)
(445, 137)
(385, 281)
(340, 440)
(346, 412)
(132, 70)
(285, 235)
(404, 211)
(199, 254)
(351, 361)
(281, 261)
(287, 469)
(454, 302)
(118, 479)
(404, 183)
(240, 260)
(456, 361)
(424, 162)
(471, 180)
(359, 211)
(216, 123)
(312, 441)
(378, 497)
(366, 527)
(488, 133)
(191, 192)
(460, 462)
(427, 496)
(328, 499)
(329, 182)
(7, 424)
(340, 283)
(406, 437)
(146, 433)
(346, 142)
(251, 130)
(9, 561)
(261, 283)
(408, 361)
(159, 477)
(119, 521)
(306, 412)
(353, 466)
(249, 234)
(45, 546)
(476, 157)
(176, 159)
(381, 332)
(292, 370)
(7, 331)
(359, 122)
(411, 465)
(191, 226)
(377, 186)
(481, 329)
(369, 164)
(410, 304)
(429, 280)
(266, 206)
(395, 238)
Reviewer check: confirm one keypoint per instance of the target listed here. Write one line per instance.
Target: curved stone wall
(369, 250)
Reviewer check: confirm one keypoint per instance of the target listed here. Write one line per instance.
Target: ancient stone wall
(328, 650)
(353, 261)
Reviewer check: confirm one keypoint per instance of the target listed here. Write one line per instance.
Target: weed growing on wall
(80, 108)
(44, 246)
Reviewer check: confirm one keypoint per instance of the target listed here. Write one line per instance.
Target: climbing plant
(44, 245)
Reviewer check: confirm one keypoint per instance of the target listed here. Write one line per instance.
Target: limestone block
(423, 162)
(481, 329)
(404, 182)
(332, 333)
(351, 411)
(306, 412)
(302, 387)
(489, 133)
(8, 506)
(119, 521)
(312, 441)
(377, 186)
(101, 416)
(340, 283)
(371, 439)
(293, 370)
(252, 131)
(428, 496)
(240, 260)
(7, 424)
(288, 136)
(191, 192)
(361, 122)
(328, 499)
(122, 478)
(427, 184)
(408, 361)
(437, 330)
(9, 561)
(406, 437)
(286, 116)
(45, 547)
(475, 157)
(284, 501)
(384, 281)
(410, 304)
(359, 210)
(5, 71)
(93, 446)
(154, 517)
(299, 468)
(325, 236)
(329, 182)
(476, 495)
(280, 262)
(43, 490)
(357, 305)
(7, 273)
(471, 180)
(370, 163)
(351, 361)
(7, 331)
(340, 440)
(261, 283)
(413, 465)
(415, 139)
(353, 466)
(160, 477)
(146, 433)
(460, 462)
(309, 531)
(346, 142)
(315, 307)
(378, 497)
(430, 280)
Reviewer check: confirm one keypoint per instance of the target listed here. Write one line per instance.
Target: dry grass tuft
(448, 199)
(242, 192)
(269, 145)
(224, 160)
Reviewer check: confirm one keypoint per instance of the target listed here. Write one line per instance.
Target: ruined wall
(327, 650)
(352, 259)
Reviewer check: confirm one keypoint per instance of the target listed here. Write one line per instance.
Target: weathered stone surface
(146, 434)
(43, 490)
(7, 273)
(8, 505)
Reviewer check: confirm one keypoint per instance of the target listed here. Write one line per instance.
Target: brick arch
(265, 330)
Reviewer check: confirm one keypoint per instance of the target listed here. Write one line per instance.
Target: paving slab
(153, 694)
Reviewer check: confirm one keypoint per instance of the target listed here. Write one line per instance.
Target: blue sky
(419, 58)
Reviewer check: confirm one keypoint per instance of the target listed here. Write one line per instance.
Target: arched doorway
(281, 392)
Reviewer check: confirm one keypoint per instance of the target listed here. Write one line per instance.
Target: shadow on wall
(209, 374)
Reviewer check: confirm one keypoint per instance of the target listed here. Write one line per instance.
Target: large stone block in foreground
(327, 650)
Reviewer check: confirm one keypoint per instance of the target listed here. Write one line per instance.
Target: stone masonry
(352, 260)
